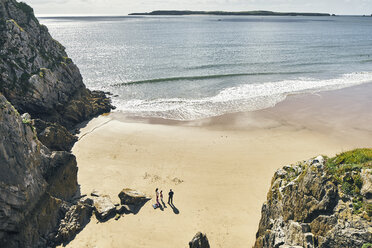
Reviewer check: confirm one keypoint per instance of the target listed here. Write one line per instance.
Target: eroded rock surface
(317, 203)
(37, 76)
(54, 136)
(38, 174)
(132, 197)
(35, 183)
(104, 208)
(76, 218)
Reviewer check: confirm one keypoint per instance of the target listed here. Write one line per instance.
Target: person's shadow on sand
(161, 207)
(175, 210)
(162, 202)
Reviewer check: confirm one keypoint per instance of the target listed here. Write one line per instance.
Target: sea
(195, 67)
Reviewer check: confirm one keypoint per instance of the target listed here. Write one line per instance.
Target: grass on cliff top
(349, 161)
(345, 168)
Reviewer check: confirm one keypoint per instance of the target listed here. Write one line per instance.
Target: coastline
(220, 168)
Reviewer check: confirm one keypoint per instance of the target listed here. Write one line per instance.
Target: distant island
(238, 13)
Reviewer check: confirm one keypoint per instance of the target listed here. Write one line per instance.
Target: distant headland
(239, 13)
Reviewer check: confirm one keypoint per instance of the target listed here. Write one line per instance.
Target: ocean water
(193, 67)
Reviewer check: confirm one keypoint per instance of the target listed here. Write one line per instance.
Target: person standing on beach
(161, 195)
(170, 197)
(157, 197)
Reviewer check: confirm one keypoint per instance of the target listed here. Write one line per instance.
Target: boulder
(104, 208)
(132, 197)
(200, 240)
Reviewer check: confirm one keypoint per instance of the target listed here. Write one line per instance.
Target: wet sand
(219, 168)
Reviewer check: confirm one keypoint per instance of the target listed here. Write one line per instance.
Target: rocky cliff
(36, 184)
(323, 202)
(37, 76)
(42, 96)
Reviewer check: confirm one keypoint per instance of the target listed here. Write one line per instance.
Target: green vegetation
(42, 72)
(59, 44)
(15, 23)
(367, 245)
(25, 121)
(357, 156)
(345, 169)
(13, 108)
(66, 60)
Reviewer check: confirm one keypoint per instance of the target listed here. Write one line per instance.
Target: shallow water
(193, 67)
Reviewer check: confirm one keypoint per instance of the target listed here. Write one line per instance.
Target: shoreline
(346, 103)
(220, 168)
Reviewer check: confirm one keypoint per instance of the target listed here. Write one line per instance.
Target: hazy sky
(122, 7)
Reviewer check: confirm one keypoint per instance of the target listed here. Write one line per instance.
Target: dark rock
(132, 197)
(34, 183)
(123, 209)
(37, 75)
(21, 181)
(95, 193)
(38, 180)
(199, 241)
(54, 136)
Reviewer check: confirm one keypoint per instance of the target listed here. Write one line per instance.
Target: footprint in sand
(156, 178)
(153, 178)
(177, 181)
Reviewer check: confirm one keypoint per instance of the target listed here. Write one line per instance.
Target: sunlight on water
(194, 67)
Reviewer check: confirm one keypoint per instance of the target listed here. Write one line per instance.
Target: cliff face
(34, 182)
(320, 203)
(37, 76)
(39, 193)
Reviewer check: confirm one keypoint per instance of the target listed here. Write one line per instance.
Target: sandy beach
(219, 168)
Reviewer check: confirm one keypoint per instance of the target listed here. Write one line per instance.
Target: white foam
(247, 97)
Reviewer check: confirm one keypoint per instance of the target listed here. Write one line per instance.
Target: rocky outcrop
(37, 76)
(322, 202)
(200, 240)
(131, 203)
(132, 197)
(35, 183)
(104, 208)
(76, 218)
(38, 179)
(54, 136)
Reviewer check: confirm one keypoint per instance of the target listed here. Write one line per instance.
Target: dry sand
(220, 169)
